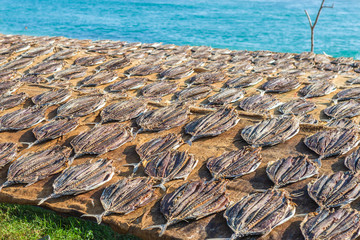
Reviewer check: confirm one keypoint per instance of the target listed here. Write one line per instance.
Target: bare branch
(332, 6)
(318, 15)
(307, 14)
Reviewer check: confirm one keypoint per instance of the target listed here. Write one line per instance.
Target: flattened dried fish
(97, 79)
(12, 100)
(163, 118)
(63, 54)
(259, 213)
(81, 178)
(244, 81)
(8, 151)
(332, 142)
(309, 119)
(331, 224)
(47, 67)
(281, 85)
(342, 123)
(176, 72)
(17, 64)
(22, 118)
(81, 106)
(123, 111)
(207, 78)
(234, 164)
(90, 60)
(347, 109)
(36, 52)
(335, 190)
(317, 89)
(125, 196)
(259, 104)
(352, 161)
(50, 98)
(194, 93)
(347, 94)
(168, 166)
(144, 70)
(297, 107)
(271, 132)
(101, 139)
(127, 84)
(32, 167)
(53, 129)
(212, 124)
(114, 64)
(291, 169)
(70, 73)
(159, 89)
(226, 96)
(7, 87)
(193, 200)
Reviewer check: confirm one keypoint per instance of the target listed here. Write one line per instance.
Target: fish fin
(295, 195)
(161, 185)
(262, 92)
(31, 183)
(97, 216)
(162, 228)
(42, 200)
(335, 101)
(135, 165)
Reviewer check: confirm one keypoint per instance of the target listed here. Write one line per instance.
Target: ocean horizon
(275, 25)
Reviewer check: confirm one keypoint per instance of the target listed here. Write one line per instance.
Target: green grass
(28, 222)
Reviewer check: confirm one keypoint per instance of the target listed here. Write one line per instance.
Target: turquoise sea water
(276, 25)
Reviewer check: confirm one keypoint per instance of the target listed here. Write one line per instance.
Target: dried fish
(39, 51)
(114, 64)
(168, 166)
(342, 123)
(63, 54)
(259, 104)
(234, 164)
(100, 78)
(90, 60)
(70, 73)
(212, 124)
(226, 96)
(291, 169)
(159, 89)
(317, 89)
(352, 161)
(347, 94)
(17, 64)
(332, 142)
(47, 67)
(31, 79)
(308, 119)
(176, 72)
(123, 111)
(8, 151)
(207, 78)
(163, 118)
(331, 224)
(347, 109)
(22, 118)
(35, 166)
(335, 190)
(355, 80)
(81, 106)
(128, 84)
(194, 93)
(53, 129)
(193, 200)
(259, 213)
(50, 98)
(7, 87)
(271, 132)
(11, 101)
(81, 178)
(297, 107)
(125, 196)
(280, 85)
(144, 70)
(244, 81)
(101, 139)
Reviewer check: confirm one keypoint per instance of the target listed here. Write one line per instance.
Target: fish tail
(335, 101)
(190, 141)
(161, 185)
(162, 228)
(5, 184)
(135, 165)
(97, 216)
(29, 144)
(318, 161)
(42, 200)
(262, 92)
